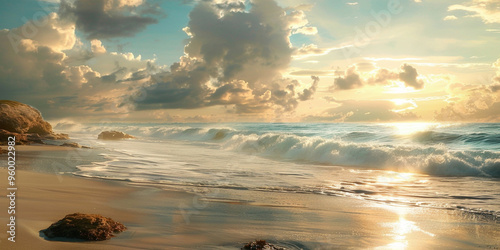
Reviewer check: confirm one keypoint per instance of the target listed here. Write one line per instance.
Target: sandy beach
(163, 218)
(249, 124)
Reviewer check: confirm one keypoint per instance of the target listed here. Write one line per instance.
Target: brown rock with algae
(261, 245)
(113, 135)
(92, 227)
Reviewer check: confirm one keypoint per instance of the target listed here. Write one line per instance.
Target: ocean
(441, 166)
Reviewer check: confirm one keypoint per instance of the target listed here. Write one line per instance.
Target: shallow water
(448, 166)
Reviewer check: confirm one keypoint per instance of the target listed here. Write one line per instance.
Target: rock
(71, 144)
(21, 139)
(3, 151)
(21, 118)
(113, 135)
(74, 145)
(56, 136)
(261, 245)
(25, 123)
(92, 227)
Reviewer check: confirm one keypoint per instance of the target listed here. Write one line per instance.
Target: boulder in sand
(91, 227)
(113, 135)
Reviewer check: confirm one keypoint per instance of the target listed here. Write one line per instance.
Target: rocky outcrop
(260, 245)
(91, 227)
(25, 123)
(23, 119)
(113, 135)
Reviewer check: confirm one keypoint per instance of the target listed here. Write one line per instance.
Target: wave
(437, 161)
(352, 149)
(434, 137)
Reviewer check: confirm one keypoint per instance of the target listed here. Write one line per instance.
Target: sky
(253, 60)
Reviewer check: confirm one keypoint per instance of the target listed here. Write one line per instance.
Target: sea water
(443, 166)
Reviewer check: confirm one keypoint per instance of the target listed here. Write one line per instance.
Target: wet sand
(163, 218)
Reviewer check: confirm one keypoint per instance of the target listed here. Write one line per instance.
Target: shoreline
(213, 219)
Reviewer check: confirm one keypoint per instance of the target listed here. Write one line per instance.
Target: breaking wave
(427, 152)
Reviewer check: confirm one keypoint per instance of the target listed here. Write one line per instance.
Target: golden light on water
(407, 128)
(401, 230)
(393, 178)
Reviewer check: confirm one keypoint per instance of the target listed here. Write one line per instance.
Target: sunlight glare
(401, 229)
(394, 178)
(407, 128)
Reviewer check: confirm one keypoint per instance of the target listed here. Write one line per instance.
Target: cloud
(352, 78)
(38, 66)
(33, 68)
(363, 111)
(101, 19)
(50, 31)
(449, 18)
(307, 31)
(304, 7)
(487, 10)
(313, 50)
(234, 58)
(471, 103)
(96, 47)
(312, 72)
(467, 102)
(308, 93)
(409, 77)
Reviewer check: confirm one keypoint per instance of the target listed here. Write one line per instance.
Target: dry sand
(168, 219)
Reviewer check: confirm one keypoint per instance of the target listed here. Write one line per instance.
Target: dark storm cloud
(100, 19)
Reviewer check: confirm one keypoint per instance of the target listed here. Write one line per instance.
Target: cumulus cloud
(100, 19)
(487, 10)
(467, 102)
(450, 17)
(350, 80)
(50, 31)
(353, 78)
(234, 57)
(471, 103)
(33, 68)
(96, 47)
(37, 66)
(409, 76)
